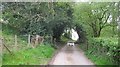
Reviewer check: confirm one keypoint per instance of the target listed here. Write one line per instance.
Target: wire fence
(20, 42)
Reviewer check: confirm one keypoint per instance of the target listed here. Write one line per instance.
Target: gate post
(15, 47)
(29, 41)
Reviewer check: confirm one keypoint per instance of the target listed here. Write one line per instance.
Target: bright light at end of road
(74, 35)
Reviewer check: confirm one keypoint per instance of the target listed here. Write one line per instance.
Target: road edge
(54, 55)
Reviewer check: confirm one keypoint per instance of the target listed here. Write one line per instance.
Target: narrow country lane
(70, 55)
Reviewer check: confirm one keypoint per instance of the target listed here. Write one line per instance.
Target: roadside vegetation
(40, 55)
(0, 50)
(102, 51)
(19, 20)
(99, 21)
(24, 55)
(96, 24)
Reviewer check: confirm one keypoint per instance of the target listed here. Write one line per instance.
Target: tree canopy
(97, 15)
(39, 18)
(52, 18)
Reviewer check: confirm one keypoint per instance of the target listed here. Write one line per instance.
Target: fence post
(28, 40)
(36, 39)
(15, 42)
(1, 50)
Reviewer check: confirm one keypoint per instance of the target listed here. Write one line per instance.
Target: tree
(95, 15)
(39, 18)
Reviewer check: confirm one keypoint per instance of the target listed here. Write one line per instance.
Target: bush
(104, 48)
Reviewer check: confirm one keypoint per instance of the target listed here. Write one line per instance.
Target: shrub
(104, 48)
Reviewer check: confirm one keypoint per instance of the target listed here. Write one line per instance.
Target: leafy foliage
(96, 16)
(38, 18)
(53, 18)
(103, 48)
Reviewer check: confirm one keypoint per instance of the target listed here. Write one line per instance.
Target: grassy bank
(23, 55)
(0, 49)
(36, 56)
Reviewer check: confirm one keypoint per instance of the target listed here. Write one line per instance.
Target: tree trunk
(57, 32)
(97, 32)
(78, 32)
(81, 34)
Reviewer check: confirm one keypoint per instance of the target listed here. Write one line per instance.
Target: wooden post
(36, 40)
(7, 49)
(3, 45)
(29, 40)
(0, 47)
(15, 42)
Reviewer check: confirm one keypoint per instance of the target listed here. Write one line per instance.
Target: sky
(74, 35)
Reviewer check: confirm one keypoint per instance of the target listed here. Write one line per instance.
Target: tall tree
(95, 15)
(46, 18)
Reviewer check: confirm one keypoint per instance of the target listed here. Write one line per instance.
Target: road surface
(70, 55)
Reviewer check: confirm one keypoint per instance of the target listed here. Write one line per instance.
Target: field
(36, 56)
(24, 55)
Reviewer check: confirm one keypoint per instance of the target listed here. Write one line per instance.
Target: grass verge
(31, 56)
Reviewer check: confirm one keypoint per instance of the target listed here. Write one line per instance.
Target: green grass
(99, 59)
(31, 56)
(0, 33)
(23, 55)
(8, 34)
(0, 60)
(0, 49)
